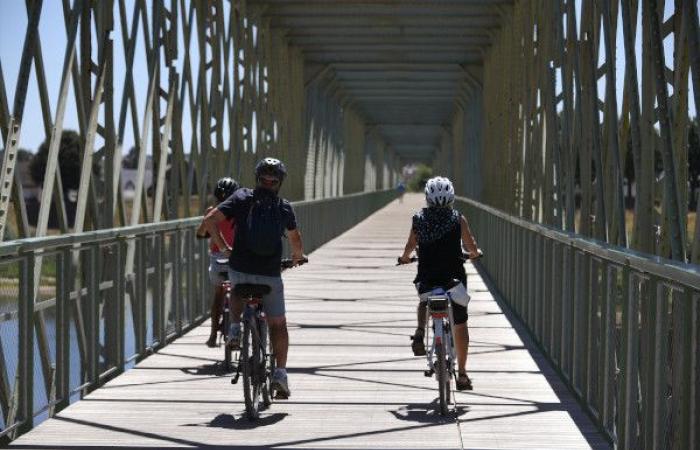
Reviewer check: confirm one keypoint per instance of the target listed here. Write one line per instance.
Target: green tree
(422, 174)
(69, 160)
(24, 155)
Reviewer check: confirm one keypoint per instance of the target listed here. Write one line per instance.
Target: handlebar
(412, 259)
(286, 263)
(465, 257)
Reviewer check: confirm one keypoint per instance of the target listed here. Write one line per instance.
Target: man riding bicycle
(224, 188)
(440, 232)
(262, 218)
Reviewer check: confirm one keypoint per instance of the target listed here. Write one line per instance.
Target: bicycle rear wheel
(251, 358)
(442, 377)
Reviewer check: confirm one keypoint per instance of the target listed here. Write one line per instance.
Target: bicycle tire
(250, 360)
(448, 388)
(269, 367)
(442, 377)
(225, 325)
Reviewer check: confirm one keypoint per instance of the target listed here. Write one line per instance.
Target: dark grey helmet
(224, 188)
(271, 165)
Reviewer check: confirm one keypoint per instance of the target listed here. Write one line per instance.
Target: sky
(53, 37)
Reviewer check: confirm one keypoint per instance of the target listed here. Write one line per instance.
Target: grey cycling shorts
(273, 303)
(217, 270)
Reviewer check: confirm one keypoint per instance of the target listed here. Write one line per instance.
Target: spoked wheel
(252, 381)
(443, 378)
(448, 377)
(225, 325)
(267, 369)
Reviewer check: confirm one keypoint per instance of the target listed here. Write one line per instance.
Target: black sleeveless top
(438, 231)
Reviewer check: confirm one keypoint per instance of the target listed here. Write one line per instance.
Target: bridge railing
(78, 309)
(621, 327)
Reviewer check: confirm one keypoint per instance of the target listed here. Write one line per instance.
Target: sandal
(418, 346)
(464, 383)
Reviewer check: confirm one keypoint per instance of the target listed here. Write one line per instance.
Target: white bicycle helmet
(439, 192)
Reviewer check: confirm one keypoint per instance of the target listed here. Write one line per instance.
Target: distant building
(129, 178)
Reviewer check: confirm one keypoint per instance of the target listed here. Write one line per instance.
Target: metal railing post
(159, 332)
(25, 356)
(120, 305)
(62, 331)
(138, 303)
(177, 283)
(630, 371)
(191, 309)
(92, 322)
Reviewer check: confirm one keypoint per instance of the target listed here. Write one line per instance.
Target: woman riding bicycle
(223, 190)
(440, 232)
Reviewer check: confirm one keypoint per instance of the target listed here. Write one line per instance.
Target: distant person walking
(401, 189)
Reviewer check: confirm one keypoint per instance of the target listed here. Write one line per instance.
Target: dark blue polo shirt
(238, 206)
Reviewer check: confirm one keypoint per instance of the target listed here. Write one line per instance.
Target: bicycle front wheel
(442, 377)
(251, 358)
(268, 367)
(225, 325)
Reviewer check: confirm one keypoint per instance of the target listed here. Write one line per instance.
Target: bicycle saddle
(429, 287)
(251, 290)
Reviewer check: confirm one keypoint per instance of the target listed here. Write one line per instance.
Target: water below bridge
(355, 382)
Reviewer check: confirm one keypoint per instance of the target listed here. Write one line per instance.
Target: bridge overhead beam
(438, 56)
(395, 62)
(381, 8)
(321, 37)
(425, 22)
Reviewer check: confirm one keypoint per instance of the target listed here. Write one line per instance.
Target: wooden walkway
(354, 381)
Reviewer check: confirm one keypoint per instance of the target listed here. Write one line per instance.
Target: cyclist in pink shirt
(218, 272)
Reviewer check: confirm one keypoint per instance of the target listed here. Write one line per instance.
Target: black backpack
(263, 227)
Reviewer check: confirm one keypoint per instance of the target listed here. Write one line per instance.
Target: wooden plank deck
(355, 383)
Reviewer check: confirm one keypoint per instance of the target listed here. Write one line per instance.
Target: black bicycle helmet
(271, 165)
(224, 188)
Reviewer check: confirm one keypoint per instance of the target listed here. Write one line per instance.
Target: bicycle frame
(441, 355)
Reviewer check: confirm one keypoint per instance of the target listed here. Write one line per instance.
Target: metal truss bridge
(569, 128)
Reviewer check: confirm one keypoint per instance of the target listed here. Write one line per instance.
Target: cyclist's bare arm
(201, 230)
(468, 241)
(209, 223)
(411, 245)
(297, 245)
